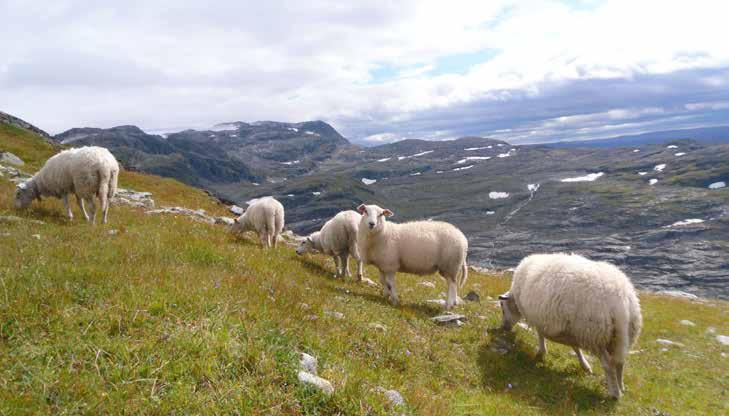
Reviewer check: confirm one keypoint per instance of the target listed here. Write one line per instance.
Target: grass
(170, 316)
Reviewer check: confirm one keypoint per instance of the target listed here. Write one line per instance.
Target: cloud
(523, 71)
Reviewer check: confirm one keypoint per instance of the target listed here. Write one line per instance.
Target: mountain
(706, 135)
(8, 119)
(162, 314)
(658, 211)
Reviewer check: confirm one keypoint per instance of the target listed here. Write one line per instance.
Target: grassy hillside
(169, 316)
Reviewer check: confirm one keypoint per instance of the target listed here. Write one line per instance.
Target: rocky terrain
(658, 210)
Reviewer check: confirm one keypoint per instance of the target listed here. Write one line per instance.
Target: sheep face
(374, 216)
(306, 246)
(24, 195)
(510, 311)
(239, 225)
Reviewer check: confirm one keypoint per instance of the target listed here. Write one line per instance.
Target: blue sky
(523, 71)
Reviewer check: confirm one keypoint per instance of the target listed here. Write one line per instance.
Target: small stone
(308, 363)
(524, 325)
(224, 221)
(113, 232)
(451, 318)
(304, 306)
(669, 342)
(311, 318)
(321, 384)
(378, 326)
(427, 284)
(686, 322)
(472, 297)
(392, 396)
(711, 330)
(723, 339)
(36, 236)
(235, 209)
(440, 302)
(369, 282)
(334, 314)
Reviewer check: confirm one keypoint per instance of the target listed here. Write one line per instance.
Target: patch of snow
(490, 213)
(636, 150)
(471, 149)
(689, 221)
(255, 184)
(290, 195)
(466, 159)
(294, 129)
(293, 162)
(368, 181)
(463, 168)
(673, 146)
(498, 195)
(587, 178)
(642, 173)
(438, 171)
(669, 342)
(500, 145)
(224, 127)
(659, 168)
(533, 187)
(717, 185)
(652, 182)
(311, 133)
(502, 155)
(316, 193)
(416, 174)
(384, 160)
(679, 154)
(415, 155)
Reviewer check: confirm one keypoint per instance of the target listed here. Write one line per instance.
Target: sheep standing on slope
(419, 247)
(85, 172)
(337, 238)
(264, 216)
(577, 302)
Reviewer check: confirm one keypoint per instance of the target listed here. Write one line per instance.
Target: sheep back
(340, 233)
(80, 171)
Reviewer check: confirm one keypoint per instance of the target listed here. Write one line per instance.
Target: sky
(379, 71)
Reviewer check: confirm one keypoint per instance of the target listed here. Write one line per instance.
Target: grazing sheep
(86, 172)
(577, 302)
(264, 216)
(337, 238)
(419, 247)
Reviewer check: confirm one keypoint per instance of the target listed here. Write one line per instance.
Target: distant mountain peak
(6, 118)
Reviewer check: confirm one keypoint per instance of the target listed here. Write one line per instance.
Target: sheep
(337, 238)
(86, 172)
(580, 303)
(418, 247)
(265, 216)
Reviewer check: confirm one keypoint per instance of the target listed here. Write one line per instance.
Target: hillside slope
(162, 315)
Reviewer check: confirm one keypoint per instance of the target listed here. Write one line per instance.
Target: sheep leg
(83, 208)
(385, 287)
(92, 208)
(583, 362)
(104, 199)
(345, 265)
(360, 270)
(68, 207)
(619, 376)
(390, 280)
(610, 375)
(542, 351)
(337, 268)
(452, 293)
(274, 240)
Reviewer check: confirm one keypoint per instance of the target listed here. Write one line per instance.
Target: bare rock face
(197, 215)
(319, 383)
(9, 158)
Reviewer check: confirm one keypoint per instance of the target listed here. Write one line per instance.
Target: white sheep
(580, 303)
(337, 238)
(418, 247)
(265, 216)
(86, 172)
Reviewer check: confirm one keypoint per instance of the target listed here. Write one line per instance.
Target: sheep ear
(388, 213)
(362, 208)
(309, 239)
(505, 296)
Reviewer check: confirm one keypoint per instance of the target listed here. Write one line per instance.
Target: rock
(304, 306)
(308, 363)
(9, 158)
(392, 396)
(472, 297)
(669, 342)
(524, 326)
(427, 284)
(378, 326)
(678, 294)
(369, 282)
(321, 384)
(10, 219)
(235, 209)
(334, 314)
(224, 220)
(197, 215)
(440, 302)
(311, 318)
(711, 330)
(723, 339)
(113, 232)
(686, 322)
(36, 236)
(449, 318)
(133, 198)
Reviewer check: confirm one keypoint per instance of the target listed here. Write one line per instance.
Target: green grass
(170, 316)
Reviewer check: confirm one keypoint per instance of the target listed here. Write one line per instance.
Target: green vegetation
(170, 316)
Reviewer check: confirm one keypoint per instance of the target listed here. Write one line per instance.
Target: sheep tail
(113, 179)
(463, 274)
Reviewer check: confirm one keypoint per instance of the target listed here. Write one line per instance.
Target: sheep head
(374, 217)
(510, 311)
(24, 194)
